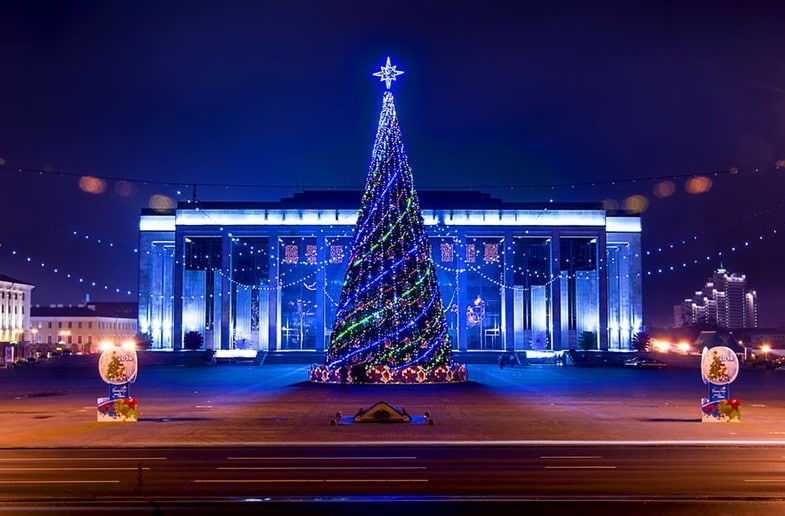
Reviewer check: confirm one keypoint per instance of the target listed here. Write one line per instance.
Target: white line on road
(75, 469)
(765, 480)
(301, 468)
(496, 443)
(325, 458)
(59, 481)
(580, 467)
(307, 481)
(575, 457)
(59, 459)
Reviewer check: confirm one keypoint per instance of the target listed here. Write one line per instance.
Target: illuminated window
(336, 254)
(310, 253)
(471, 253)
(291, 254)
(491, 253)
(448, 251)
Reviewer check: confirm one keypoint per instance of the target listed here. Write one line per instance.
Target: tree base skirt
(448, 373)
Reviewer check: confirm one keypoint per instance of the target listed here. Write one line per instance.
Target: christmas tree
(390, 324)
(115, 370)
(718, 372)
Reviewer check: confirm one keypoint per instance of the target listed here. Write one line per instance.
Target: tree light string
(56, 270)
(535, 273)
(441, 232)
(733, 171)
(684, 264)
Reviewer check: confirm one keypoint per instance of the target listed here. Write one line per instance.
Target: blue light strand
(82, 236)
(479, 269)
(56, 270)
(716, 228)
(708, 258)
(775, 166)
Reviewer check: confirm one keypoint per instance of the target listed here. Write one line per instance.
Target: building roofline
(9, 279)
(351, 199)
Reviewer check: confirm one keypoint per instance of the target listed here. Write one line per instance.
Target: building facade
(82, 328)
(724, 302)
(14, 310)
(268, 276)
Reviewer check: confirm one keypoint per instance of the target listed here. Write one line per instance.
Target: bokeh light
(2, 162)
(610, 205)
(124, 188)
(161, 202)
(698, 185)
(636, 204)
(780, 163)
(93, 185)
(664, 189)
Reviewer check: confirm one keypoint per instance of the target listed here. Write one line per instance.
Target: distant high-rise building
(724, 302)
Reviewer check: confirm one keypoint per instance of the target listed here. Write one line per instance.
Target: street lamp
(63, 338)
(34, 342)
(765, 348)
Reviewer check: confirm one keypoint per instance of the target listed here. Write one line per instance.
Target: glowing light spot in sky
(124, 188)
(698, 185)
(161, 202)
(610, 204)
(636, 204)
(93, 185)
(2, 162)
(664, 189)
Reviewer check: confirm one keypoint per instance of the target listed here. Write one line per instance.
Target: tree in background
(539, 340)
(641, 341)
(587, 340)
(143, 340)
(193, 340)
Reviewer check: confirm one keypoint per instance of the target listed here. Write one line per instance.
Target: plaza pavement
(52, 404)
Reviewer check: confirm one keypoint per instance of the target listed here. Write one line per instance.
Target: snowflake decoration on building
(388, 73)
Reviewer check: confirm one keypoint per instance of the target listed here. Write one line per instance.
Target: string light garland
(86, 237)
(445, 233)
(715, 255)
(543, 280)
(56, 270)
(468, 265)
(733, 171)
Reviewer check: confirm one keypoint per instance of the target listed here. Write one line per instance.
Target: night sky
(527, 101)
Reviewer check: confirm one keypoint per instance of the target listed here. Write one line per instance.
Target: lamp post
(63, 338)
(34, 341)
(765, 348)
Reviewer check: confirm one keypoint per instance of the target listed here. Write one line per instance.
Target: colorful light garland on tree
(390, 316)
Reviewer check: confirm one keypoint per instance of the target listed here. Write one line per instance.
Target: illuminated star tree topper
(388, 73)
